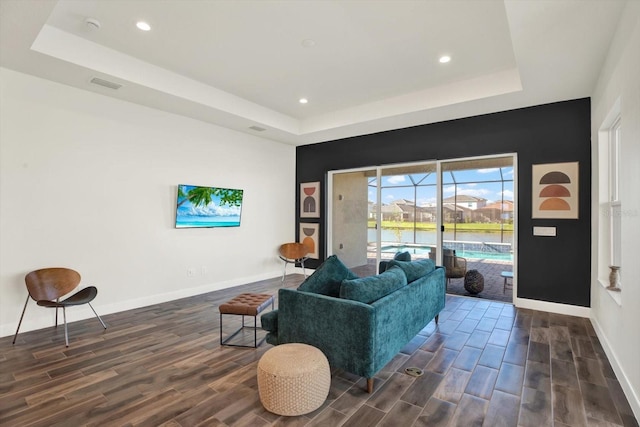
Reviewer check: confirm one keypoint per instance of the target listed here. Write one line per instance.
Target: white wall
(618, 324)
(89, 182)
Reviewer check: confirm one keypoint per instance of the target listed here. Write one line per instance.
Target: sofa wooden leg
(437, 318)
(369, 385)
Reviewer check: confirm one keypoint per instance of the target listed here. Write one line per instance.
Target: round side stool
(293, 379)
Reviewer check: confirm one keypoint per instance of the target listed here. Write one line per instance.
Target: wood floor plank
(365, 416)
(510, 379)
(452, 387)
(437, 413)
(568, 407)
(492, 356)
(503, 410)
(386, 396)
(598, 403)
(422, 389)
(535, 408)
(482, 382)
(442, 360)
(538, 375)
(470, 411)
(468, 358)
(401, 414)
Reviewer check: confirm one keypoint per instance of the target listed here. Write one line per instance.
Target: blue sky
(468, 183)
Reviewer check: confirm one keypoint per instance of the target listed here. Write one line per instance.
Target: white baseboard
(552, 307)
(633, 396)
(38, 318)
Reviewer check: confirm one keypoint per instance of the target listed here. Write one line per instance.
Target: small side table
(246, 304)
(507, 275)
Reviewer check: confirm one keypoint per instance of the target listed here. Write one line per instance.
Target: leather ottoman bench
(246, 304)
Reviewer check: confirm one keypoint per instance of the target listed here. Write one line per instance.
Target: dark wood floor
(486, 363)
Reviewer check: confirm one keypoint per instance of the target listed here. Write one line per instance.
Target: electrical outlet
(191, 272)
(204, 270)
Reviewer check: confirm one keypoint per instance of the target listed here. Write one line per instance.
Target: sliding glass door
(463, 208)
(478, 225)
(377, 212)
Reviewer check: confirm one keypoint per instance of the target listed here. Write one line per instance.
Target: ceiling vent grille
(257, 128)
(105, 83)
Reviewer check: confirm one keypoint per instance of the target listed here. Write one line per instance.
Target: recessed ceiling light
(143, 26)
(303, 100)
(444, 59)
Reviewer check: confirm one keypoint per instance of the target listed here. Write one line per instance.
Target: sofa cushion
(402, 256)
(414, 269)
(399, 256)
(327, 278)
(372, 288)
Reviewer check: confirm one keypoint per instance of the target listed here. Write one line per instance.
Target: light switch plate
(544, 231)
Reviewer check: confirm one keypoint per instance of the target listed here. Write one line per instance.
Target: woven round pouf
(293, 379)
(474, 282)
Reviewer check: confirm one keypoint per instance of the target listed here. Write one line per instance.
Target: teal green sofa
(360, 324)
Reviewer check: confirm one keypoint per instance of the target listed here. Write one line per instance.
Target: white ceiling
(373, 65)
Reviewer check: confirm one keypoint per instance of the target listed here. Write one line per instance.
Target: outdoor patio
(490, 270)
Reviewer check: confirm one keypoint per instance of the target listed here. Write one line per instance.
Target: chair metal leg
(21, 316)
(284, 272)
(303, 272)
(94, 312)
(66, 334)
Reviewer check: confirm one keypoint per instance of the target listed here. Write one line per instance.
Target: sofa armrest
(341, 328)
(269, 322)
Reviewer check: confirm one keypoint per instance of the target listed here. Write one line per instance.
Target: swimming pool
(470, 254)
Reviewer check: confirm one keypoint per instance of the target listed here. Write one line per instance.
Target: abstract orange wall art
(555, 191)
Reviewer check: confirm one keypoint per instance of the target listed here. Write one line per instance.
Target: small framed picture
(309, 233)
(310, 199)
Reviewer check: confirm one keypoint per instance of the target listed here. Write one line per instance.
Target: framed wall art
(310, 199)
(555, 191)
(309, 233)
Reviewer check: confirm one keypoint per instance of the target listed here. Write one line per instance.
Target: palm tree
(202, 196)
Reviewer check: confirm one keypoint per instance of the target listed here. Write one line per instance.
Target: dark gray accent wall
(553, 269)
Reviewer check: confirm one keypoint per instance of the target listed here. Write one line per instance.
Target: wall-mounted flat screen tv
(208, 207)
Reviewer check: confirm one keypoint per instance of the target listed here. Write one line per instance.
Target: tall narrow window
(610, 268)
(615, 205)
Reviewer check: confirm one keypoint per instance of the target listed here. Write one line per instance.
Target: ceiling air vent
(257, 128)
(106, 83)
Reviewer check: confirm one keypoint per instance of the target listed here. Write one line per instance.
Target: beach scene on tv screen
(208, 207)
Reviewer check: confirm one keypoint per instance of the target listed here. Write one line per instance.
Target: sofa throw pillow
(327, 278)
(372, 288)
(399, 256)
(414, 269)
(402, 256)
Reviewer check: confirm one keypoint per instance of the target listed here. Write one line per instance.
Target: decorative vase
(474, 282)
(614, 276)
